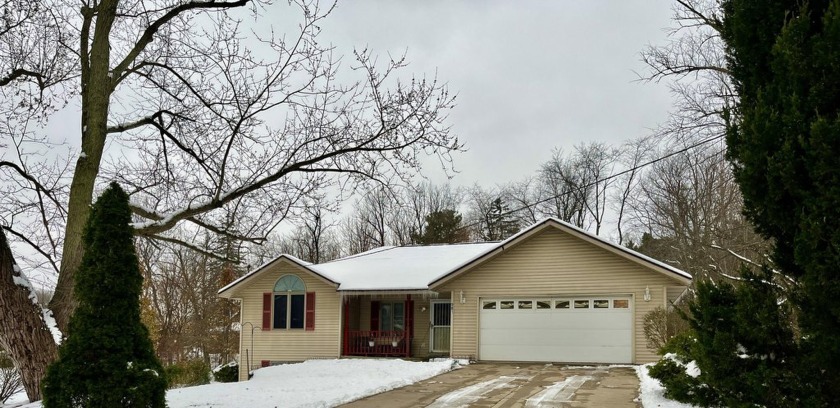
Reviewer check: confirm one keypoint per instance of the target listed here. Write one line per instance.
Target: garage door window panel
(506, 304)
(526, 304)
(621, 304)
(489, 305)
(581, 304)
(543, 304)
(562, 304)
(601, 303)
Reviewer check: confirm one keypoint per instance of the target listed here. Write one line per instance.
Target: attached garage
(591, 329)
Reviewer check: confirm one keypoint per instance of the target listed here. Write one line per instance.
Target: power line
(612, 176)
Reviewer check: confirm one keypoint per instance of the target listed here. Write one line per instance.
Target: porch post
(344, 337)
(409, 324)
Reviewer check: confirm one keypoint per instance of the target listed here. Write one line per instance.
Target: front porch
(395, 325)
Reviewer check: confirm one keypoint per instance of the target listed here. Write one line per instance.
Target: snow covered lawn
(314, 383)
(651, 391)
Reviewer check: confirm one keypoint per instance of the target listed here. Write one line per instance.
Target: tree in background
(443, 227)
(204, 120)
(498, 222)
(784, 144)
(107, 359)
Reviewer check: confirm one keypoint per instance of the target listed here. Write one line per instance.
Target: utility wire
(612, 176)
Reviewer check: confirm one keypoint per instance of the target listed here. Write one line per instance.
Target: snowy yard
(314, 383)
(327, 383)
(651, 391)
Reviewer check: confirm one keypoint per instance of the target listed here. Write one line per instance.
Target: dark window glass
(442, 314)
(601, 303)
(489, 305)
(297, 311)
(543, 304)
(506, 304)
(280, 304)
(399, 317)
(561, 304)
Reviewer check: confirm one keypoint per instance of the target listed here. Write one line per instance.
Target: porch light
(394, 343)
(647, 294)
(463, 299)
(371, 343)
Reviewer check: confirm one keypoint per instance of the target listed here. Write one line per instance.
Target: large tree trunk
(25, 335)
(97, 86)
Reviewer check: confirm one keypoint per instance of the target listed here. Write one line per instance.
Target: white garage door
(589, 329)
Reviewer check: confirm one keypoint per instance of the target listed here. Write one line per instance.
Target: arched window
(289, 283)
(289, 303)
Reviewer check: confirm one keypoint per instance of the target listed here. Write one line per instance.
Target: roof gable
(228, 290)
(533, 230)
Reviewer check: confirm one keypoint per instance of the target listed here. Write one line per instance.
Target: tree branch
(149, 33)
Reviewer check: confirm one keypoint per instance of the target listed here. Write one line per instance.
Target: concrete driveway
(516, 385)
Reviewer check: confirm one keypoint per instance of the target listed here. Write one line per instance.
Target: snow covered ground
(314, 383)
(651, 391)
(327, 383)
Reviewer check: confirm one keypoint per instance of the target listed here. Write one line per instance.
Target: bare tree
(633, 154)
(693, 63)
(691, 208)
(595, 163)
(200, 121)
(313, 240)
(563, 190)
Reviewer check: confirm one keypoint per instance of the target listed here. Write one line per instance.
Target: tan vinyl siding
(553, 263)
(281, 344)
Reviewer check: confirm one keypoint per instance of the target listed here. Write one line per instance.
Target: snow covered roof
(399, 268)
(418, 268)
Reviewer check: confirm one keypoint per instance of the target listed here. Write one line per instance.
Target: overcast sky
(530, 76)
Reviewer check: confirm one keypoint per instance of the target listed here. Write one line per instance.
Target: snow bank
(651, 391)
(314, 383)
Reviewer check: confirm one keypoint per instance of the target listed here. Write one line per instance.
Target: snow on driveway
(465, 396)
(558, 392)
(313, 383)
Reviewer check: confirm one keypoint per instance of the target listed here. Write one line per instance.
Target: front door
(441, 322)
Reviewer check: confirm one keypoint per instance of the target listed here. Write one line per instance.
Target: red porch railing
(376, 343)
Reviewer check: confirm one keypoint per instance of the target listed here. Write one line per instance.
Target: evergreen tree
(743, 344)
(499, 222)
(107, 359)
(784, 143)
(442, 227)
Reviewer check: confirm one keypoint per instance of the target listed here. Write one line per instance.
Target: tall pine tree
(107, 359)
(784, 143)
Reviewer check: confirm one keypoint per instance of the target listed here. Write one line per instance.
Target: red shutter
(310, 311)
(266, 323)
(374, 315)
(265, 363)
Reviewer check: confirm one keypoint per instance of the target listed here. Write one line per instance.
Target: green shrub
(227, 373)
(680, 386)
(680, 345)
(188, 373)
(107, 359)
